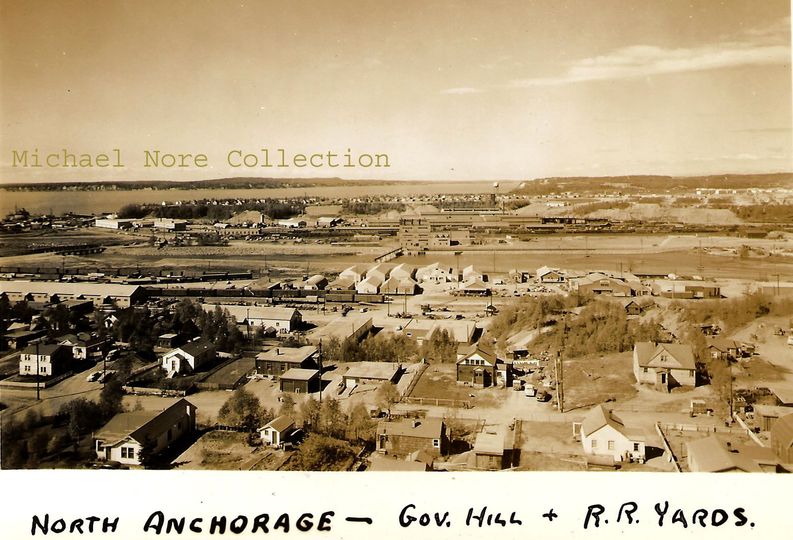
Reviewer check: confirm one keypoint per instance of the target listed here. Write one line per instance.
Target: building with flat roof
(300, 381)
(371, 372)
(278, 360)
(55, 291)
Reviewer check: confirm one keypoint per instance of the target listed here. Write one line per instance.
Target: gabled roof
(195, 348)
(46, 349)
(373, 280)
(597, 418)
(140, 425)
(475, 284)
(480, 349)
(342, 282)
(542, 270)
(713, 454)
(358, 269)
(665, 355)
(723, 344)
(280, 424)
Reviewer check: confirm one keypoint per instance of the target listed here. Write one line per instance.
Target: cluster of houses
(621, 284)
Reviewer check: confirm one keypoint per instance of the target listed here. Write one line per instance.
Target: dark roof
(195, 348)
(47, 349)
(140, 425)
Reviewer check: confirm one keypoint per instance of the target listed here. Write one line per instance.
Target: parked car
(93, 376)
(543, 396)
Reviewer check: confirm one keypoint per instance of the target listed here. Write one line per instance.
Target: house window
(611, 445)
(644, 370)
(635, 447)
(127, 453)
(690, 372)
(436, 443)
(594, 443)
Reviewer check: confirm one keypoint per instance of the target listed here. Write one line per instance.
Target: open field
(597, 379)
(228, 451)
(439, 381)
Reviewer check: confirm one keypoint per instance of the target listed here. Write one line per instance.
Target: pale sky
(450, 90)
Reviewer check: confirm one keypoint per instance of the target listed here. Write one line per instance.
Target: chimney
(278, 351)
(416, 423)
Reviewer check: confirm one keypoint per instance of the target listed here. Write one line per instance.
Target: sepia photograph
(416, 236)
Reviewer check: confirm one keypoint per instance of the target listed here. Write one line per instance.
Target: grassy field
(596, 379)
(440, 381)
(228, 451)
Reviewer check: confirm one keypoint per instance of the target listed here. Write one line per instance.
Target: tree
(440, 348)
(242, 409)
(320, 453)
(84, 416)
(332, 418)
(387, 395)
(310, 414)
(146, 452)
(361, 425)
(110, 398)
(287, 405)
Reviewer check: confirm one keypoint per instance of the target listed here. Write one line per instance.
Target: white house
(664, 365)
(276, 432)
(380, 271)
(403, 271)
(435, 273)
(546, 274)
(124, 437)
(357, 273)
(187, 358)
(282, 320)
(604, 434)
(470, 274)
(371, 285)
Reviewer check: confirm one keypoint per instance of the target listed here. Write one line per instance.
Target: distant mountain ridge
(214, 183)
(652, 183)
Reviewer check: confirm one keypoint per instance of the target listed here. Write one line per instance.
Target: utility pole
(319, 362)
(729, 373)
(38, 373)
(559, 368)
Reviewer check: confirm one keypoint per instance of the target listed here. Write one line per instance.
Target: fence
(146, 391)
(667, 446)
(701, 428)
(438, 402)
(416, 376)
